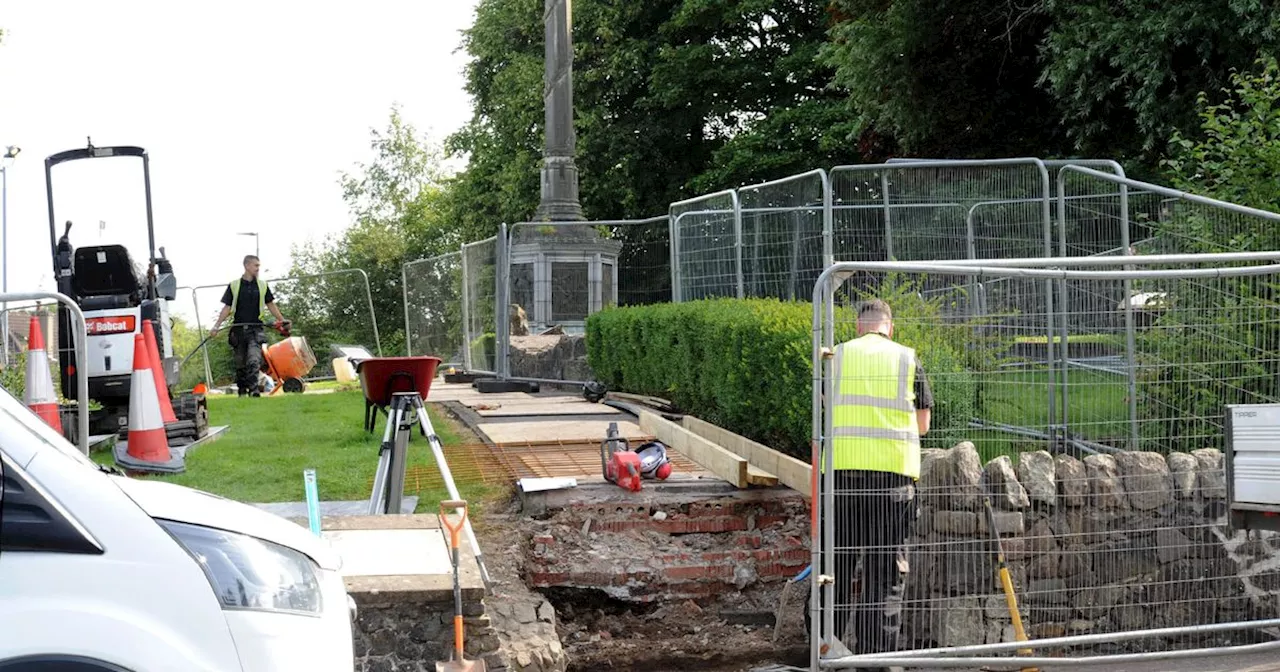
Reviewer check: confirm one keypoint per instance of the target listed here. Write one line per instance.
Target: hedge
(746, 364)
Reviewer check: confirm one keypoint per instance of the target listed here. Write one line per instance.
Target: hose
(282, 330)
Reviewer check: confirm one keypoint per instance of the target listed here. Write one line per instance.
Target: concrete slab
(297, 510)
(556, 430)
(391, 552)
(390, 559)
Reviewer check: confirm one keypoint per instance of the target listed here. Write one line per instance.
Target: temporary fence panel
(328, 309)
(1126, 540)
(433, 308)
(559, 273)
(706, 247)
(786, 235)
(26, 304)
(480, 301)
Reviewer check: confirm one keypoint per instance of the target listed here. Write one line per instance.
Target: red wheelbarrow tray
(382, 377)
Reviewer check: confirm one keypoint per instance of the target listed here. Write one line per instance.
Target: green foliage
(746, 364)
(671, 98)
(1213, 344)
(397, 204)
(14, 377)
(1126, 73)
(1236, 157)
(954, 79)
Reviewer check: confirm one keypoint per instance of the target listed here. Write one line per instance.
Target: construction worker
(248, 296)
(881, 409)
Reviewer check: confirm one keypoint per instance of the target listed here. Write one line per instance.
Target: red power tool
(620, 464)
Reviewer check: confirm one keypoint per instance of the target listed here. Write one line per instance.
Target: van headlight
(250, 573)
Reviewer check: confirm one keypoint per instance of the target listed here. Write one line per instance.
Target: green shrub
(484, 351)
(746, 364)
(14, 377)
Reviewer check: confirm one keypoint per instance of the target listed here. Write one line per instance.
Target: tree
(672, 97)
(397, 203)
(1234, 157)
(1126, 74)
(954, 79)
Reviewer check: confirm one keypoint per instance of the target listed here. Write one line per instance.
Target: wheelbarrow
(382, 377)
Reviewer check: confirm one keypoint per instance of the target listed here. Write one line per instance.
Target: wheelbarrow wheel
(293, 385)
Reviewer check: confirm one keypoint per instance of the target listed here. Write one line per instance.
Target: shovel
(457, 664)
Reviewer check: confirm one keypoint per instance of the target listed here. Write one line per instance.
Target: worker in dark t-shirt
(249, 297)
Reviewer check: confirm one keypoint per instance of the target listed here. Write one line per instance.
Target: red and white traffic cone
(148, 445)
(162, 390)
(40, 397)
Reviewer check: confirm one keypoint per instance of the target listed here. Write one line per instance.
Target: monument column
(559, 200)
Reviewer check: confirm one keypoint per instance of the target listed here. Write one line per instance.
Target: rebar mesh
(433, 308)
(783, 226)
(559, 273)
(708, 251)
(1111, 510)
(479, 297)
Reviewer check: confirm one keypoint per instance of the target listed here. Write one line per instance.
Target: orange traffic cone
(148, 445)
(162, 390)
(40, 397)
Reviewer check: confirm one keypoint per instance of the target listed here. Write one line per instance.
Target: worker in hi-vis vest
(881, 408)
(249, 298)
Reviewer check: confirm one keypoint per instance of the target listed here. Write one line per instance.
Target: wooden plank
(790, 472)
(723, 463)
(758, 476)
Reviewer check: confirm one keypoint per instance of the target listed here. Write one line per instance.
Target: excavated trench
(671, 579)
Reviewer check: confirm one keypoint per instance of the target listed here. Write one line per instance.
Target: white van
(100, 572)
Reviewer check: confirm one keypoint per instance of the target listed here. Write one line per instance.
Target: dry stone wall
(1111, 542)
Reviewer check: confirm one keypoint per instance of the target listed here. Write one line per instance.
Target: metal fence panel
(1103, 534)
(920, 210)
(707, 247)
(786, 235)
(328, 309)
(480, 302)
(433, 308)
(558, 273)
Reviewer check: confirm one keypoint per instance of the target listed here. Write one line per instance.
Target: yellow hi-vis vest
(262, 297)
(873, 413)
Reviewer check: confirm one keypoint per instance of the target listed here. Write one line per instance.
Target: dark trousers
(875, 512)
(246, 344)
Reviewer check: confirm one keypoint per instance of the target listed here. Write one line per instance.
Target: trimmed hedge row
(746, 364)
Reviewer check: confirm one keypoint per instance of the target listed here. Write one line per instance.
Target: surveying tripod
(406, 410)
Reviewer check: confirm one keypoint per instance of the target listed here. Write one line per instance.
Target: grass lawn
(1097, 410)
(273, 439)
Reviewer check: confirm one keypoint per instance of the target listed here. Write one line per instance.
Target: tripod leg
(437, 451)
(399, 456)
(376, 500)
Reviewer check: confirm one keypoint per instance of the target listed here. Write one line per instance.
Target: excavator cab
(116, 293)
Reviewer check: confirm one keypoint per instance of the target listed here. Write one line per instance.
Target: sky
(249, 112)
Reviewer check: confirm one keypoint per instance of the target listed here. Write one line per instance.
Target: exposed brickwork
(692, 550)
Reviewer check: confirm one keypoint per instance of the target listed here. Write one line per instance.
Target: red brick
(547, 579)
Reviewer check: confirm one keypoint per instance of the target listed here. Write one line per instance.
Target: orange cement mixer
(288, 362)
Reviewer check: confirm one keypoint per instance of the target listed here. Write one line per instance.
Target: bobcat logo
(519, 321)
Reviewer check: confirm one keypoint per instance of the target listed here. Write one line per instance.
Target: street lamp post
(256, 252)
(10, 153)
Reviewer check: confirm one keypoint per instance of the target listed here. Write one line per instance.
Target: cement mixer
(288, 362)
